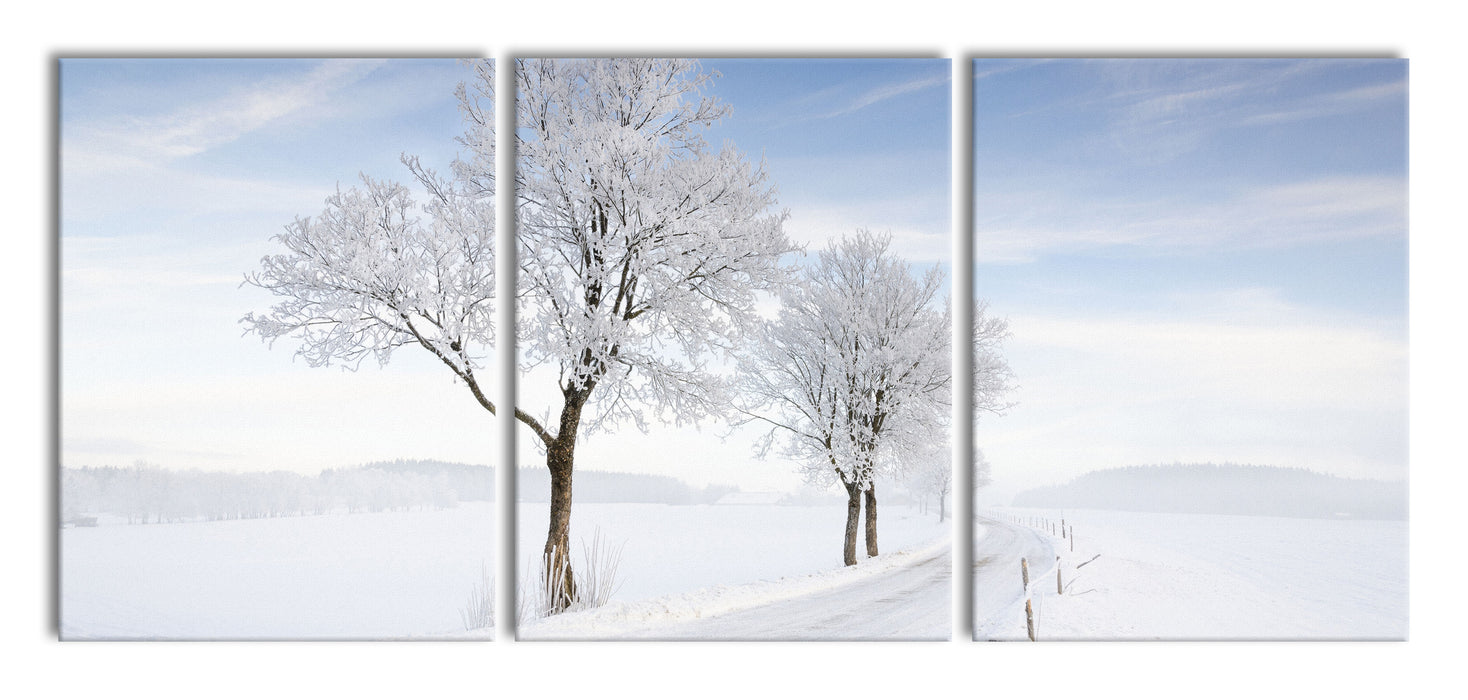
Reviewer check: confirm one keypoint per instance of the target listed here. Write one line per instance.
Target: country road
(998, 583)
(910, 603)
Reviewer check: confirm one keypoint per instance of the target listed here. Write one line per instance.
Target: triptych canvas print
(752, 394)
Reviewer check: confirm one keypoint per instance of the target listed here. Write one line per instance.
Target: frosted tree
(983, 471)
(371, 275)
(992, 378)
(854, 373)
(931, 476)
(640, 254)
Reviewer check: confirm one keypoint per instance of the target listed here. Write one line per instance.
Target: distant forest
(1226, 489)
(533, 486)
(149, 494)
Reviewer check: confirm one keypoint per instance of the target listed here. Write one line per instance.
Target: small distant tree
(640, 254)
(992, 379)
(854, 373)
(931, 476)
(983, 472)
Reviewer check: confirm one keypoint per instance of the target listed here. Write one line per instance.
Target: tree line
(142, 493)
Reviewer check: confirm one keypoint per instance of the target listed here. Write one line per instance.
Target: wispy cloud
(919, 222)
(919, 241)
(883, 93)
(846, 103)
(1164, 109)
(1334, 103)
(120, 141)
(1018, 226)
(985, 69)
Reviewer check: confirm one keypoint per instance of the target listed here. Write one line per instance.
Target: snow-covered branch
(640, 250)
(377, 270)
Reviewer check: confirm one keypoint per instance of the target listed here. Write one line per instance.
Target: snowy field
(361, 576)
(1176, 576)
(683, 562)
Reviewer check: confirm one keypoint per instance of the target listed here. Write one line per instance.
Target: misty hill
(1227, 489)
(533, 485)
(149, 494)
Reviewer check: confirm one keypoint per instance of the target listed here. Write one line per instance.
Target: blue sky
(848, 142)
(1201, 260)
(176, 173)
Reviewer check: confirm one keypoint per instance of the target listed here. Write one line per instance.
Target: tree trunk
(871, 496)
(853, 517)
(560, 584)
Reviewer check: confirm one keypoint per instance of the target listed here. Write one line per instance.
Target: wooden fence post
(1024, 568)
(1059, 588)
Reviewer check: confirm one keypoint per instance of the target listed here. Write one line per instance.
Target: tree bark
(871, 497)
(853, 517)
(560, 584)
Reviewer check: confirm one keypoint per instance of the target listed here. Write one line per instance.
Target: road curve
(998, 584)
(911, 603)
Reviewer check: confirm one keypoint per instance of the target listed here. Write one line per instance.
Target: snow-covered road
(998, 583)
(901, 596)
(908, 603)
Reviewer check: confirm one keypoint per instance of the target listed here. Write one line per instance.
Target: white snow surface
(390, 575)
(1205, 577)
(682, 564)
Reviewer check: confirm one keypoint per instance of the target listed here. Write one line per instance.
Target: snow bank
(677, 549)
(361, 576)
(1174, 576)
(685, 562)
(621, 619)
